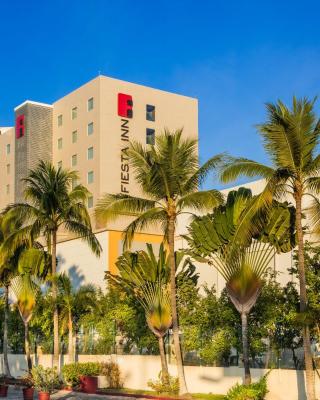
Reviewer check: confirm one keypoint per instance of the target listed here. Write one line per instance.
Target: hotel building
(87, 130)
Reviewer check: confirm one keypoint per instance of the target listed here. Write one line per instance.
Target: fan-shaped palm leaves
(52, 205)
(242, 257)
(169, 177)
(147, 277)
(290, 138)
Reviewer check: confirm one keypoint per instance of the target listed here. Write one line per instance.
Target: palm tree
(52, 204)
(8, 227)
(147, 276)
(290, 138)
(72, 303)
(242, 258)
(169, 177)
(32, 265)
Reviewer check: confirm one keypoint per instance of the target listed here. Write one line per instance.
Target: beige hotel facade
(87, 131)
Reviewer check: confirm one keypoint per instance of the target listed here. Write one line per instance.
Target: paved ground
(16, 394)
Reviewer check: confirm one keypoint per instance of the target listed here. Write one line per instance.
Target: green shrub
(72, 372)
(254, 391)
(161, 388)
(112, 372)
(45, 379)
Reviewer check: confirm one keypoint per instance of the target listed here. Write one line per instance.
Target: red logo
(125, 105)
(20, 126)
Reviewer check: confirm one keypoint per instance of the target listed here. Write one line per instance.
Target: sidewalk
(16, 394)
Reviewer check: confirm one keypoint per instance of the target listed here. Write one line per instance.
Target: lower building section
(77, 260)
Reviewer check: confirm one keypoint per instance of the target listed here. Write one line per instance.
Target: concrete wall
(76, 259)
(137, 370)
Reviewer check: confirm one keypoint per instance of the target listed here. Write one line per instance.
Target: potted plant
(3, 386)
(28, 389)
(85, 374)
(45, 380)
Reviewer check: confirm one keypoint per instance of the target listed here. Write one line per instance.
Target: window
(90, 104)
(74, 113)
(74, 136)
(60, 143)
(74, 182)
(90, 177)
(90, 202)
(8, 169)
(60, 120)
(150, 112)
(8, 189)
(74, 160)
(150, 139)
(90, 128)
(59, 164)
(90, 153)
(8, 148)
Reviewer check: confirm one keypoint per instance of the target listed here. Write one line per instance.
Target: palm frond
(234, 168)
(204, 200)
(111, 206)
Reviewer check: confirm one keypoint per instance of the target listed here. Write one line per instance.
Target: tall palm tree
(242, 258)
(52, 204)
(290, 138)
(72, 303)
(8, 227)
(32, 265)
(169, 177)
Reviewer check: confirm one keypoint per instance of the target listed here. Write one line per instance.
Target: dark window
(150, 112)
(150, 136)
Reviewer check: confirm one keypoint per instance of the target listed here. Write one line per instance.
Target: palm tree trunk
(70, 340)
(27, 345)
(54, 296)
(173, 297)
(5, 332)
(310, 381)
(164, 365)
(245, 348)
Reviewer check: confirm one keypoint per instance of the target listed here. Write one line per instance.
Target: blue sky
(232, 55)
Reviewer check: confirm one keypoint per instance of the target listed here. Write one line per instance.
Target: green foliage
(72, 372)
(170, 388)
(45, 379)
(218, 347)
(169, 176)
(254, 391)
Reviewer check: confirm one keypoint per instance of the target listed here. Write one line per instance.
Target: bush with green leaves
(254, 391)
(159, 386)
(72, 372)
(45, 379)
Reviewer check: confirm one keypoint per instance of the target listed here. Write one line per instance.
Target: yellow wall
(115, 237)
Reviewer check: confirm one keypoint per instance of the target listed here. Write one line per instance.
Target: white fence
(137, 370)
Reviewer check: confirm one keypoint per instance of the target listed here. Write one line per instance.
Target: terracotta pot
(89, 384)
(28, 393)
(3, 390)
(44, 396)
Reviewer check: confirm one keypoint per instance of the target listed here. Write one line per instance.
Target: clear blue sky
(232, 55)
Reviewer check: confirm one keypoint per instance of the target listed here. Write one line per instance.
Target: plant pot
(3, 390)
(44, 396)
(89, 384)
(28, 393)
